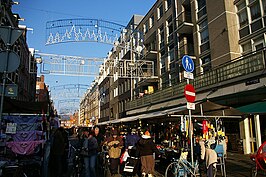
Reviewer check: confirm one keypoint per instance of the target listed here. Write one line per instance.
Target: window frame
(160, 11)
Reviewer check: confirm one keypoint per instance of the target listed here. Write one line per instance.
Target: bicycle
(77, 163)
(181, 167)
(104, 162)
(12, 169)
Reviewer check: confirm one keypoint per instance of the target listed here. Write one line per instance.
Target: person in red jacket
(145, 148)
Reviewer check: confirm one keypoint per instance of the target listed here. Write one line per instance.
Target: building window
(152, 21)
(170, 30)
(163, 64)
(258, 43)
(255, 10)
(172, 55)
(246, 48)
(242, 14)
(201, 8)
(160, 11)
(146, 27)
(264, 6)
(206, 63)
(204, 32)
(201, 4)
(161, 37)
(168, 4)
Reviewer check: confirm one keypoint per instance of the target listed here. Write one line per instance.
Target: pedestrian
(90, 147)
(57, 153)
(130, 142)
(145, 148)
(100, 140)
(66, 150)
(131, 138)
(99, 137)
(115, 145)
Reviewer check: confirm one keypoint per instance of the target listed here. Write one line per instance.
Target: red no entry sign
(190, 93)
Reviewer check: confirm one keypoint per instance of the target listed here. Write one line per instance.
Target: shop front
(253, 126)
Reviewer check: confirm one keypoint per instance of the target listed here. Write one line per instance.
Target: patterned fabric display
(27, 135)
(28, 126)
(24, 147)
(23, 119)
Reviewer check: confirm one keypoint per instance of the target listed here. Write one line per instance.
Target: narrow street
(141, 83)
(237, 165)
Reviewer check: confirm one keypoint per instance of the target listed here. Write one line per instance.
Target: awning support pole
(201, 110)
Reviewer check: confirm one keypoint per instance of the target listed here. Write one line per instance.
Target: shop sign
(11, 90)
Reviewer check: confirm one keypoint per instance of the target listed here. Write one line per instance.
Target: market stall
(24, 140)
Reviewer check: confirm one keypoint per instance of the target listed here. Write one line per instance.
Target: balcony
(150, 53)
(240, 69)
(148, 81)
(184, 23)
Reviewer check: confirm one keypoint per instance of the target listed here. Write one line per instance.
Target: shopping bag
(132, 165)
(124, 157)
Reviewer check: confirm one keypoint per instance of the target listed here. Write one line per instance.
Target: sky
(37, 12)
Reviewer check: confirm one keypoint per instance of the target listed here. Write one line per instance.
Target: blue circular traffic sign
(188, 63)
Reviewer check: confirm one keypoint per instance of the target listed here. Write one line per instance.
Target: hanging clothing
(23, 119)
(27, 135)
(24, 147)
(28, 126)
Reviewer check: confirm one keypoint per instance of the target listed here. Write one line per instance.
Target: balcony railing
(243, 66)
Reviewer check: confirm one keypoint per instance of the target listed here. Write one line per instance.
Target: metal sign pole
(190, 129)
(10, 61)
(188, 65)
(2, 99)
(4, 77)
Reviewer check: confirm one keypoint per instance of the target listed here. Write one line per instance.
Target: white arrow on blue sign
(188, 63)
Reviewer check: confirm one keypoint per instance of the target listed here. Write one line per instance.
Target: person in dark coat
(99, 137)
(131, 138)
(100, 140)
(130, 142)
(145, 148)
(90, 146)
(57, 153)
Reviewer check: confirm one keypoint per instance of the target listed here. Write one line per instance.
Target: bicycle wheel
(174, 169)
(253, 172)
(106, 171)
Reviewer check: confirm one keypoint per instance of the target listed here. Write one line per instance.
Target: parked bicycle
(181, 167)
(12, 169)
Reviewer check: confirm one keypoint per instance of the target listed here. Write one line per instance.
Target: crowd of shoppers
(92, 141)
